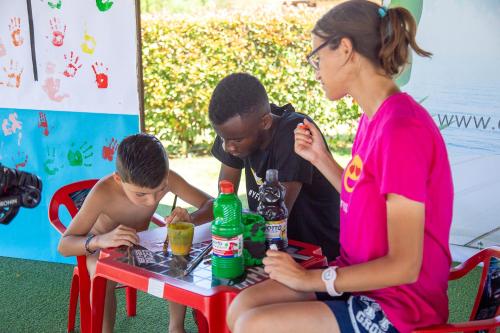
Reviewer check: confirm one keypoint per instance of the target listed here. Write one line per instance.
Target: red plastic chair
(493, 322)
(72, 196)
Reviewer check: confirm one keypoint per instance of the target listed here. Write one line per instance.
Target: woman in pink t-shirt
(396, 195)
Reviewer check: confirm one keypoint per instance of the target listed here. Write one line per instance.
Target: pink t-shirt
(401, 151)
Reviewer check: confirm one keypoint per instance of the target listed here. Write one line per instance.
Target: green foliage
(184, 58)
(172, 6)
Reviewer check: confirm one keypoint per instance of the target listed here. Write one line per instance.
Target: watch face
(328, 274)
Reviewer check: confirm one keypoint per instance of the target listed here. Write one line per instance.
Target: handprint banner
(85, 51)
(66, 125)
(460, 87)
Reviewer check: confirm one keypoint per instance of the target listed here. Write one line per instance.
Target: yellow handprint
(89, 43)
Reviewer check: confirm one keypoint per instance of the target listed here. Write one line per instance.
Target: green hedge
(185, 57)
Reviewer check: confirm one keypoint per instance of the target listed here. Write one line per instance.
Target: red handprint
(42, 123)
(101, 75)
(51, 88)
(15, 31)
(109, 150)
(72, 67)
(57, 34)
(18, 160)
(13, 74)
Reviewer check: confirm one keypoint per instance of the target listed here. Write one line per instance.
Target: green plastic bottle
(227, 234)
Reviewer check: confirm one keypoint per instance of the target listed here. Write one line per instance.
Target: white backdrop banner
(460, 87)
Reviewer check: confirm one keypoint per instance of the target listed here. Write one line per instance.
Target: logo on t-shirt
(352, 173)
(258, 180)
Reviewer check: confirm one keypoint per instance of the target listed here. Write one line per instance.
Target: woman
(396, 195)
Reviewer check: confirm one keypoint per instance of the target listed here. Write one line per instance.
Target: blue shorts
(357, 314)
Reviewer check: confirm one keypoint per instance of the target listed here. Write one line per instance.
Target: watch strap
(329, 276)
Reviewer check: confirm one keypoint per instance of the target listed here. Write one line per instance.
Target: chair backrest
(71, 196)
(487, 301)
(485, 315)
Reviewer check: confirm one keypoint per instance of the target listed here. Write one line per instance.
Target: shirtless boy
(122, 204)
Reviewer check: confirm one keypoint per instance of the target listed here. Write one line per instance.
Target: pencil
(165, 243)
(196, 261)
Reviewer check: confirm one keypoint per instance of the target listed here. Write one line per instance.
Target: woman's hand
(281, 267)
(121, 235)
(178, 214)
(309, 142)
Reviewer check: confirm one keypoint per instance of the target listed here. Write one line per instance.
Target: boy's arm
(187, 192)
(192, 195)
(232, 174)
(73, 240)
(180, 187)
(206, 212)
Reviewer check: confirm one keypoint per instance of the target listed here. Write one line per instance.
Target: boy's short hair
(237, 94)
(142, 161)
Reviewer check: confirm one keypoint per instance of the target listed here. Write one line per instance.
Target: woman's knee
(245, 301)
(233, 312)
(251, 321)
(264, 293)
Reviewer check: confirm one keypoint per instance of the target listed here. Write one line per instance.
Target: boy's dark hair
(141, 160)
(384, 36)
(237, 94)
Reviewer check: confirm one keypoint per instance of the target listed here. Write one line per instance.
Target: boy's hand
(119, 236)
(178, 214)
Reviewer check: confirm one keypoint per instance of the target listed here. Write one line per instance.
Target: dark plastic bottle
(272, 208)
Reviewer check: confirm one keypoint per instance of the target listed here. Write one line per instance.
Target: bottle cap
(271, 175)
(226, 187)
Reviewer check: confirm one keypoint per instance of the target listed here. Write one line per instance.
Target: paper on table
(153, 239)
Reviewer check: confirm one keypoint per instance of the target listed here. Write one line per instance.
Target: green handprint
(49, 164)
(79, 156)
(56, 5)
(103, 5)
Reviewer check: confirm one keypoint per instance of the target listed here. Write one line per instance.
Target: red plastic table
(196, 290)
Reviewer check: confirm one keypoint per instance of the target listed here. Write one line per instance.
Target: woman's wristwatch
(87, 243)
(329, 276)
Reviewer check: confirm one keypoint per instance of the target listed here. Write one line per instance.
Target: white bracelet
(329, 276)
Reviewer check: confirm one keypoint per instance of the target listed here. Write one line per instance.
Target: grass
(34, 298)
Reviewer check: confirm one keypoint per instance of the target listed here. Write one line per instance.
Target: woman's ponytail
(397, 34)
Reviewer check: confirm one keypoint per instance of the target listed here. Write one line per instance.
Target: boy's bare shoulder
(107, 189)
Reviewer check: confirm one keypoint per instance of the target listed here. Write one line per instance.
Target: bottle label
(227, 247)
(276, 230)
